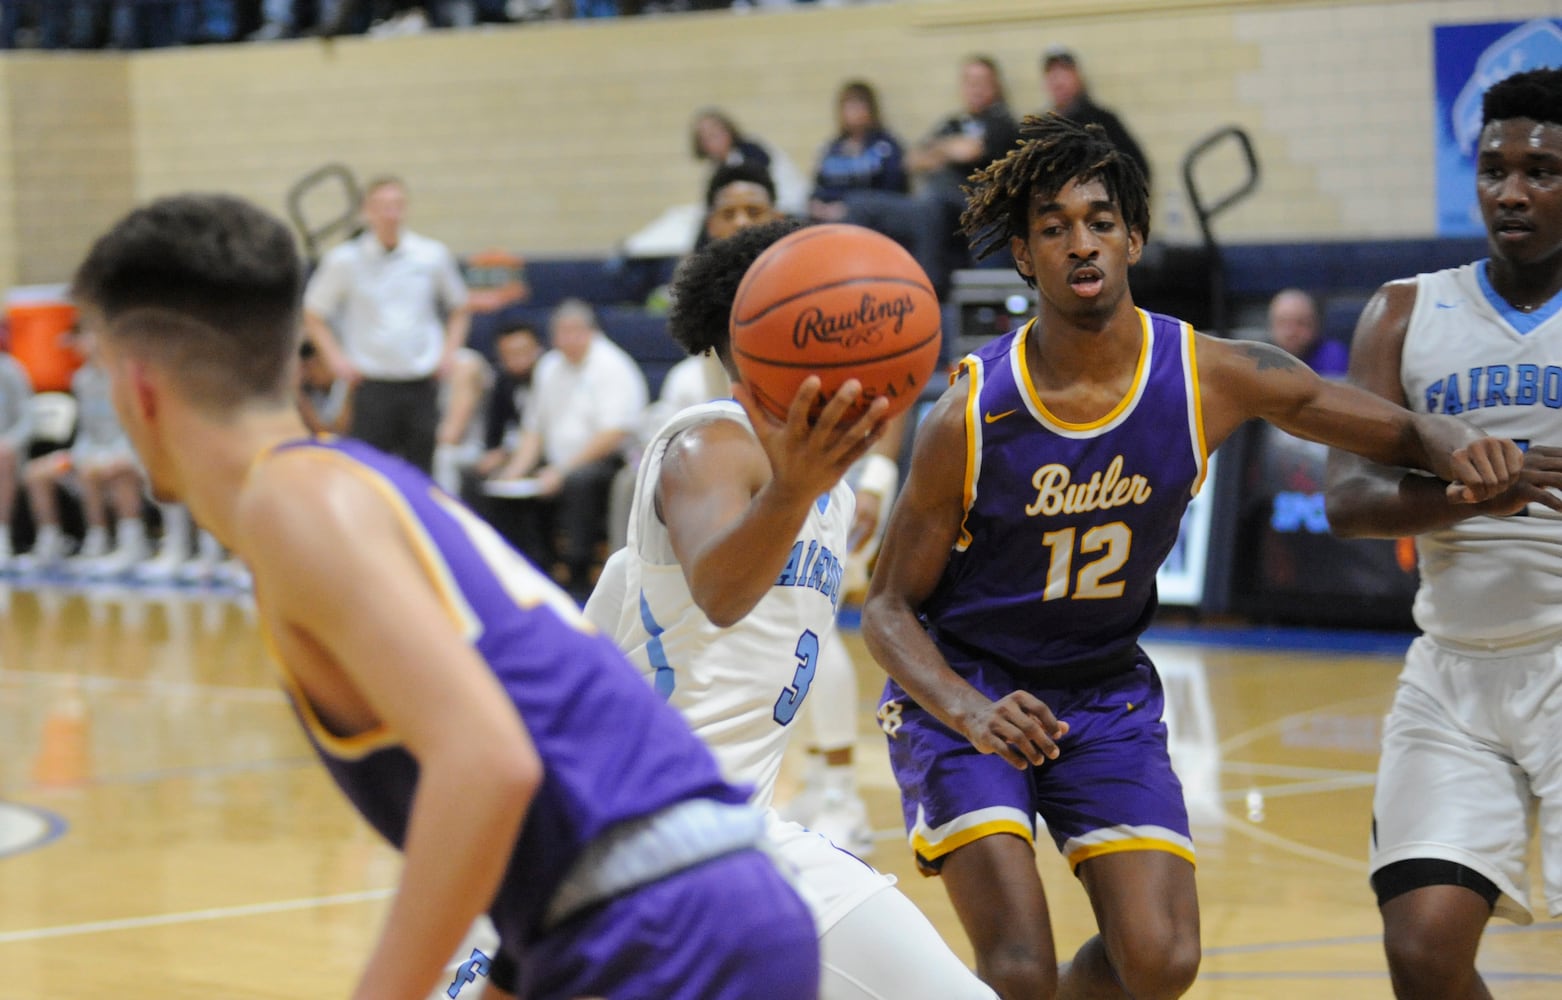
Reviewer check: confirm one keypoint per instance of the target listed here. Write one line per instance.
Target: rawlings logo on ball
(864, 325)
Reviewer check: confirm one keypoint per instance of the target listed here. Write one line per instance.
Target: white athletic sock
(208, 548)
(130, 531)
(176, 530)
(839, 779)
(95, 540)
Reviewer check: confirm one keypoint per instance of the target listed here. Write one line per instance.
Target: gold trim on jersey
(972, 366)
(932, 850)
(1117, 413)
(359, 745)
(354, 747)
(1082, 854)
(423, 547)
(1190, 371)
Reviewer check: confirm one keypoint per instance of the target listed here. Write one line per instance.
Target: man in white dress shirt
(587, 400)
(388, 311)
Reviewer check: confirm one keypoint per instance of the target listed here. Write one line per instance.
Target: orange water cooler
(40, 318)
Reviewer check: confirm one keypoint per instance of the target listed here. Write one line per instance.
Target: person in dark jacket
(1071, 98)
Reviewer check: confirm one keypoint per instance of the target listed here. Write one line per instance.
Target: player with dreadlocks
(1471, 764)
(1018, 573)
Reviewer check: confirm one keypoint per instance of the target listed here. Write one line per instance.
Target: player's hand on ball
(1484, 469)
(1019, 727)
(807, 458)
(1539, 481)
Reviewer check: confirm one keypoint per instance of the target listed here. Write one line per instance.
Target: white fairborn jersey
(739, 688)
(1488, 583)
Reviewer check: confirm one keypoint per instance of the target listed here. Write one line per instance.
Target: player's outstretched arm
(923, 528)
(1366, 499)
(340, 585)
(733, 506)
(1243, 380)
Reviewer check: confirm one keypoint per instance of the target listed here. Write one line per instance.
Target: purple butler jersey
(1066, 524)
(611, 750)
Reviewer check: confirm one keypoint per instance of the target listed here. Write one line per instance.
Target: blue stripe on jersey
(1523, 322)
(656, 652)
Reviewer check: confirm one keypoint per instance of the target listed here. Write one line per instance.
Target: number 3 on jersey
(1116, 538)
(807, 659)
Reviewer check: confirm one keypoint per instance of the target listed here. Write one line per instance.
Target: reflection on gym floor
(165, 832)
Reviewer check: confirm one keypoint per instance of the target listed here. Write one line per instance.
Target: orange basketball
(839, 302)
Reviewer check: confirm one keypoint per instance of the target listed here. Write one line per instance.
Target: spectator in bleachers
(863, 156)
(586, 403)
(16, 430)
(463, 400)
(517, 349)
(57, 24)
(1294, 328)
(737, 197)
(280, 18)
(717, 140)
(102, 465)
(1071, 98)
(373, 309)
(862, 180)
(965, 142)
(324, 401)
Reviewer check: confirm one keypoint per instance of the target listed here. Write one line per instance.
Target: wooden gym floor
(165, 832)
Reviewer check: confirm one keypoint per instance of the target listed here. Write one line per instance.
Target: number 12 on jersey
(791, 698)
(1116, 538)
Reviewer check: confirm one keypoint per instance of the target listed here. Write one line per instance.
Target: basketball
(840, 302)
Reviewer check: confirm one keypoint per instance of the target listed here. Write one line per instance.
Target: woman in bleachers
(717, 140)
(862, 179)
(862, 157)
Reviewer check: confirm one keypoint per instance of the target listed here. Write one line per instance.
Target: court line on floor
(1258, 770)
(1238, 824)
(1501, 930)
(1247, 736)
(194, 916)
(181, 773)
(100, 682)
(1299, 974)
(1340, 784)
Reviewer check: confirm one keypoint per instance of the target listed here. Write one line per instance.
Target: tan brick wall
(68, 161)
(563, 138)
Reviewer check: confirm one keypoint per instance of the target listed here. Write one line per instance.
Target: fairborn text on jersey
(1534, 385)
(818, 569)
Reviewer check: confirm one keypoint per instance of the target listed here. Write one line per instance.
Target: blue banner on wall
(1467, 59)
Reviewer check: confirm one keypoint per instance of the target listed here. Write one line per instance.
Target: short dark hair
(519, 326)
(206, 285)
(739, 173)
(1057, 55)
(706, 283)
(1536, 95)
(1053, 151)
